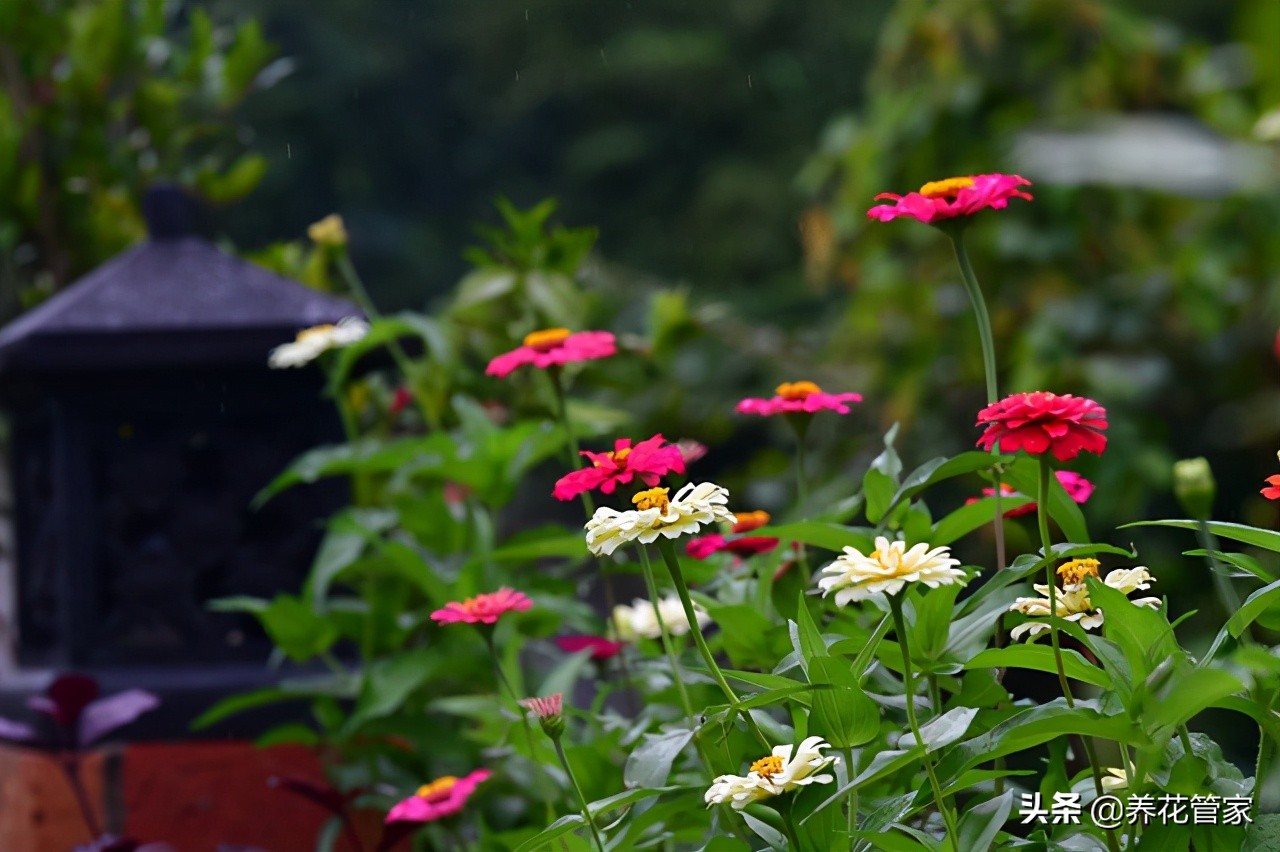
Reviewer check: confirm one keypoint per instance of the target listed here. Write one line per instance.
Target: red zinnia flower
(1077, 487)
(553, 347)
(1038, 422)
(601, 648)
(799, 397)
(649, 460)
(950, 198)
(442, 798)
(483, 609)
(1272, 492)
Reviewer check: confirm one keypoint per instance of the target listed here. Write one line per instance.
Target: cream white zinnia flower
(641, 618)
(856, 577)
(780, 772)
(1072, 598)
(655, 515)
(311, 342)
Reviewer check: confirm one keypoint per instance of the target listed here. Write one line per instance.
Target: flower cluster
(855, 576)
(654, 515)
(312, 342)
(787, 768)
(553, 347)
(1071, 600)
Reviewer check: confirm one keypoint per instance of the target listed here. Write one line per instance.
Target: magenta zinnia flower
(482, 609)
(443, 797)
(601, 648)
(742, 546)
(649, 460)
(553, 347)
(1042, 422)
(951, 198)
(799, 398)
(1077, 487)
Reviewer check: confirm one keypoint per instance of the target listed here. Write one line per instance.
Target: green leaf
(981, 823)
(933, 621)
(843, 714)
(296, 628)
(1042, 723)
(1185, 693)
(833, 537)
(942, 468)
(1266, 539)
(388, 682)
(877, 490)
(1040, 658)
(944, 730)
(649, 764)
(1143, 634)
(1024, 475)
(1254, 605)
(969, 517)
(559, 828)
(234, 704)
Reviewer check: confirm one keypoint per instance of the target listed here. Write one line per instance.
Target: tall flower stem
(667, 646)
(784, 808)
(802, 497)
(987, 339)
(908, 685)
(682, 589)
(487, 632)
(851, 818)
(407, 369)
(1042, 520)
(577, 788)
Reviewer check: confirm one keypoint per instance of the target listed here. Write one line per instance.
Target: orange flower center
(945, 188)
(314, 331)
(797, 390)
(546, 339)
(437, 789)
(654, 498)
(748, 521)
(1074, 572)
(767, 767)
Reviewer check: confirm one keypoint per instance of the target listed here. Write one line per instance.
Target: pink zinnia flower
(1272, 492)
(553, 347)
(799, 398)
(950, 198)
(545, 708)
(601, 648)
(1077, 487)
(691, 450)
(482, 609)
(443, 797)
(649, 460)
(1042, 422)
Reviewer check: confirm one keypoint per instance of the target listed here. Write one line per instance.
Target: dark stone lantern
(142, 420)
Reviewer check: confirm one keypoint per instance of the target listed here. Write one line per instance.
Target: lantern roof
(175, 300)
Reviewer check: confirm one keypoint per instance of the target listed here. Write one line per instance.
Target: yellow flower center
(797, 390)
(618, 456)
(767, 767)
(437, 789)
(944, 188)
(546, 339)
(654, 498)
(314, 331)
(1074, 572)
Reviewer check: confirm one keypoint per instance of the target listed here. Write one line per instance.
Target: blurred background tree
(98, 99)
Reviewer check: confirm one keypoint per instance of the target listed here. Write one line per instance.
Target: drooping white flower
(780, 772)
(641, 618)
(311, 342)
(693, 506)
(1072, 601)
(855, 576)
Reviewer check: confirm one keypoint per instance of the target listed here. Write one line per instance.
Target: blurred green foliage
(99, 98)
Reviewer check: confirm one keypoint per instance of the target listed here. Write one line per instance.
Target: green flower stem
(987, 339)
(908, 684)
(784, 808)
(407, 369)
(487, 633)
(577, 788)
(652, 584)
(851, 818)
(682, 589)
(1263, 761)
(1221, 582)
(802, 498)
(1042, 519)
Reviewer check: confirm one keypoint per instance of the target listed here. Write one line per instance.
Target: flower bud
(1194, 487)
(329, 231)
(550, 713)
